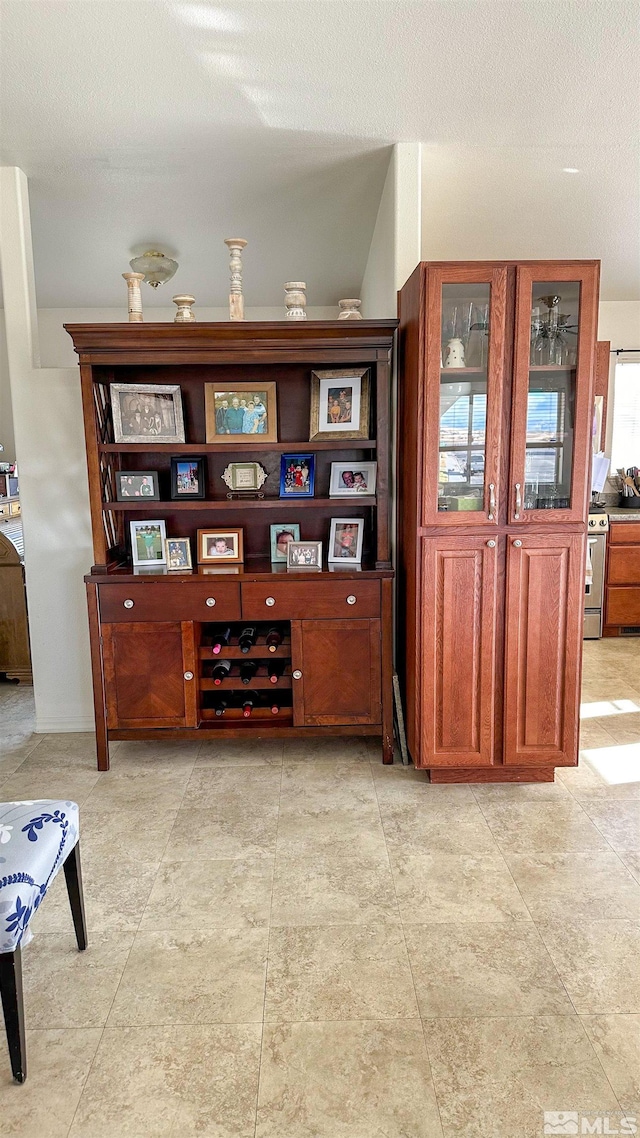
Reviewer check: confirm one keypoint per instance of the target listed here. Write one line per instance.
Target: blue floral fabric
(35, 840)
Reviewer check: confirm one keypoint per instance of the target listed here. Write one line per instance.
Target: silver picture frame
(152, 415)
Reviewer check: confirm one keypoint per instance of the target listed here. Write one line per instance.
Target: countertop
(624, 515)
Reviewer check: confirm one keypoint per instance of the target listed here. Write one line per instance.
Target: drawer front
(295, 600)
(624, 565)
(188, 601)
(624, 533)
(623, 606)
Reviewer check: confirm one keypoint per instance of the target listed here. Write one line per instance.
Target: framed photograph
(281, 536)
(345, 540)
(352, 479)
(188, 478)
(244, 476)
(147, 542)
(304, 555)
(242, 411)
(340, 404)
(137, 484)
(297, 475)
(147, 412)
(218, 546)
(178, 553)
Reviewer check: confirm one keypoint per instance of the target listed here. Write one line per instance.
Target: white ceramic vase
(454, 354)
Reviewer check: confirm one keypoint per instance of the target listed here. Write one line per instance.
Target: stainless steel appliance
(598, 525)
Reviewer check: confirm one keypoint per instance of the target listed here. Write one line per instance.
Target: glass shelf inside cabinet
(463, 396)
(555, 312)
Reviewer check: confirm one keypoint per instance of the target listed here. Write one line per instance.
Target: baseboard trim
(59, 724)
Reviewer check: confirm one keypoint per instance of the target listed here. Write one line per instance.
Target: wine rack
(232, 688)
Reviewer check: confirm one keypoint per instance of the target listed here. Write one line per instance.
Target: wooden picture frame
(178, 554)
(340, 401)
(140, 411)
(182, 474)
(264, 428)
(339, 551)
(231, 554)
(136, 489)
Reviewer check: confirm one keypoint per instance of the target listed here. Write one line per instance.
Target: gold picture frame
(223, 404)
(340, 401)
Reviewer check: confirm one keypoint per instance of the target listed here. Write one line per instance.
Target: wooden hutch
(151, 634)
(496, 368)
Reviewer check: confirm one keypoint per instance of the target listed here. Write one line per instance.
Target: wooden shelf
(258, 651)
(552, 367)
(239, 447)
(234, 683)
(463, 371)
(261, 715)
(150, 507)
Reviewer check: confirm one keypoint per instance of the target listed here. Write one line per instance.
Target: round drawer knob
(210, 602)
(297, 675)
(128, 604)
(491, 544)
(517, 543)
(270, 602)
(351, 600)
(188, 675)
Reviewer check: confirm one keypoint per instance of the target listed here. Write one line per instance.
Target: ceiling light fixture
(570, 170)
(157, 267)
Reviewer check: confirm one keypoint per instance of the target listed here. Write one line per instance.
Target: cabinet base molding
(491, 774)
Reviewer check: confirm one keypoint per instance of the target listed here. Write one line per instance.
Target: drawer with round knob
(297, 600)
(191, 600)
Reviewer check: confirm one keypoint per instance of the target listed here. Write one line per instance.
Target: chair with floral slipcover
(36, 840)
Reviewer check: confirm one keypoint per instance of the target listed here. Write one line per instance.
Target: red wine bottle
(247, 638)
(220, 640)
(273, 639)
(275, 669)
(220, 671)
(248, 669)
(248, 705)
(220, 706)
(274, 708)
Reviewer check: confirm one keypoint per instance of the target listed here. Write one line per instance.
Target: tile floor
(291, 941)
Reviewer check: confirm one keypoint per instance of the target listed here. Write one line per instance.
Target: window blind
(625, 441)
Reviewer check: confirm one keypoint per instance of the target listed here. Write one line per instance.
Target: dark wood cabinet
(496, 366)
(336, 672)
(150, 674)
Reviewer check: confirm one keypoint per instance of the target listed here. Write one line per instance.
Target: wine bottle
(220, 706)
(273, 639)
(248, 705)
(274, 708)
(248, 669)
(275, 669)
(220, 640)
(247, 638)
(220, 671)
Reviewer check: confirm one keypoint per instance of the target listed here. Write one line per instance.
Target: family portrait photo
(178, 552)
(188, 478)
(137, 484)
(297, 475)
(304, 555)
(248, 410)
(215, 545)
(148, 542)
(351, 480)
(345, 539)
(340, 404)
(281, 535)
(152, 411)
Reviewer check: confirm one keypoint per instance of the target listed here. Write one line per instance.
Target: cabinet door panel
(460, 576)
(340, 662)
(144, 670)
(544, 616)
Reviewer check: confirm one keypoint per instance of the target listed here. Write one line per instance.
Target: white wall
(396, 241)
(6, 410)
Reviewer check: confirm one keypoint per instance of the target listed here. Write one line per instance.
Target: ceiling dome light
(570, 170)
(156, 267)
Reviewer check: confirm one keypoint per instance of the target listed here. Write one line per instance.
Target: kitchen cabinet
(336, 672)
(496, 375)
(622, 581)
(139, 692)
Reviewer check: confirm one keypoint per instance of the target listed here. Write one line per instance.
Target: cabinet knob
(210, 602)
(270, 602)
(297, 674)
(491, 544)
(188, 675)
(517, 543)
(128, 604)
(351, 600)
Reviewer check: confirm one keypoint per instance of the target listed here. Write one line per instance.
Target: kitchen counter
(618, 515)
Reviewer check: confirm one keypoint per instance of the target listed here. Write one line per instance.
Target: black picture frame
(134, 495)
(199, 461)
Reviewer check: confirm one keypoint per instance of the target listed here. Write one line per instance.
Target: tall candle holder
(134, 296)
(184, 315)
(236, 299)
(295, 300)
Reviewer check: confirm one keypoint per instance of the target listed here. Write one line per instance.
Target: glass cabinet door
(552, 413)
(465, 354)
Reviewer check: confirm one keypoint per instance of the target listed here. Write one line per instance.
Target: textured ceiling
(146, 121)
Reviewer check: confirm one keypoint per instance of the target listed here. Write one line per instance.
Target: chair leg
(13, 1007)
(73, 876)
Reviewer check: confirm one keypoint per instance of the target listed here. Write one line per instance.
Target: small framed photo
(297, 475)
(243, 411)
(281, 536)
(188, 478)
(137, 484)
(178, 553)
(352, 479)
(217, 546)
(340, 404)
(147, 412)
(243, 477)
(345, 540)
(148, 542)
(304, 555)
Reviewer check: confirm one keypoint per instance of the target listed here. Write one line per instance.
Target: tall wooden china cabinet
(155, 637)
(496, 405)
